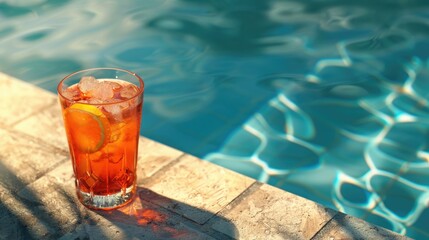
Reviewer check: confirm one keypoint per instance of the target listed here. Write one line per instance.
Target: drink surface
(102, 121)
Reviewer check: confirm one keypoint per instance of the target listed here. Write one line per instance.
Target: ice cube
(103, 91)
(115, 153)
(71, 94)
(113, 109)
(116, 131)
(128, 91)
(87, 84)
(115, 86)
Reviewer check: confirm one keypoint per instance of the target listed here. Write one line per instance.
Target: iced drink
(102, 111)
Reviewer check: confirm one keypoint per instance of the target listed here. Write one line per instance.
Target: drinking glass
(102, 109)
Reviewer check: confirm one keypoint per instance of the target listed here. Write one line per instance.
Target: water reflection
(231, 27)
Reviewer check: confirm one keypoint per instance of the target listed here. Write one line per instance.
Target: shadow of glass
(154, 216)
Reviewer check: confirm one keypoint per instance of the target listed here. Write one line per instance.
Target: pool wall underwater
(325, 99)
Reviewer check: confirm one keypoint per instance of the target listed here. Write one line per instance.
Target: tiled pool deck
(179, 196)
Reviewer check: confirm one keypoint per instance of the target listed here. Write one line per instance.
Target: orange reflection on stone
(146, 216)
(153, 219)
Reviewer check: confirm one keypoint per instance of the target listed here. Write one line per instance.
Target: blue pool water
(327, 99)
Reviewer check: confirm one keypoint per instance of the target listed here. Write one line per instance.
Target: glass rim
(141, 88)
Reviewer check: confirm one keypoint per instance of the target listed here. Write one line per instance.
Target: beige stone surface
(347, 227)
(103, 228)
(62, 216)
(18, 219)
(138, 220)
(152, 157)
(200, 185)
(270, 213)
(53, 197)
(46, 124)
(23, 159)
(19, 100)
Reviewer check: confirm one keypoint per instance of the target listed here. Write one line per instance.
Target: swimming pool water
(327, 99)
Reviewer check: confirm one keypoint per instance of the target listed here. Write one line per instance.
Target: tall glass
(102, 109)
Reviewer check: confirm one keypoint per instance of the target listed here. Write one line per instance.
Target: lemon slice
(88, 127)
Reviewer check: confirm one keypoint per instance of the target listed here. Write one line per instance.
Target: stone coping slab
(179, 196)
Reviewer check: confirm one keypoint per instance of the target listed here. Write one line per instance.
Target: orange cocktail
(102, 111)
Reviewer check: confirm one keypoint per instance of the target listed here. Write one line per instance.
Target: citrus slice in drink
(89, 129)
